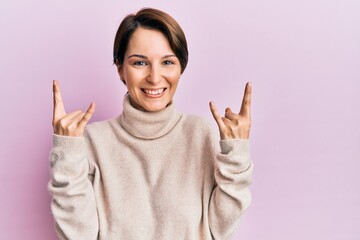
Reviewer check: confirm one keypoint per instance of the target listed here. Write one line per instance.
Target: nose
(154, 75)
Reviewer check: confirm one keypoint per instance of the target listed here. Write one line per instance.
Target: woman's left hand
(232, 125)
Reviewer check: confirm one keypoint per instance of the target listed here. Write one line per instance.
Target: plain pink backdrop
(302, 56)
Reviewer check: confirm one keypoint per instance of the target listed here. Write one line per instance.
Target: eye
(140, 63)
(168, 62)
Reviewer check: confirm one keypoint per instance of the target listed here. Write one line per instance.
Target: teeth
(154, 92)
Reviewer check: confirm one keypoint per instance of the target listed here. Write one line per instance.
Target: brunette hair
(150, 18)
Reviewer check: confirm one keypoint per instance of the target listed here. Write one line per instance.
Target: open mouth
(154, 92)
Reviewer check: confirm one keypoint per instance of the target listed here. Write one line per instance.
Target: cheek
(175, 79)
(174, 76)
(133, 76)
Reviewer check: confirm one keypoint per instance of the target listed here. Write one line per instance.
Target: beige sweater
(148, 176)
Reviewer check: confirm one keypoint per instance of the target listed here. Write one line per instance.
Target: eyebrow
(145, 57)
(137, 55)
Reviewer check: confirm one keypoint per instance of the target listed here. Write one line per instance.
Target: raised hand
(233, 125)
(72, 124)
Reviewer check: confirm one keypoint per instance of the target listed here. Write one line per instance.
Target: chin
(155, 107)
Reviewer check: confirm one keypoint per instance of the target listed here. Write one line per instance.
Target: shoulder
(101, 128)
(194, 120)
(200, 133)
(197, 125)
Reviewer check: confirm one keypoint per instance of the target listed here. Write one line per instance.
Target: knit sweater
(149, 175)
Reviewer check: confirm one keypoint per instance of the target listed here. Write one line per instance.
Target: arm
(233, 169)
(231, 196)
(73, 202)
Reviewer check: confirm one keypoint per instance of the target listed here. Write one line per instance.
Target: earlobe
(120, 71)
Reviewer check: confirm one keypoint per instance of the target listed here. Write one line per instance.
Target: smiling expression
(151, 70)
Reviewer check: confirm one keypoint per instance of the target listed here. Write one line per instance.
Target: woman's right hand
(72, 124)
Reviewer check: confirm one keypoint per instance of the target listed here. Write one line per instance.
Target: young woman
(152, 172)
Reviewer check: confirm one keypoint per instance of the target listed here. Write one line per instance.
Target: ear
(120, 71)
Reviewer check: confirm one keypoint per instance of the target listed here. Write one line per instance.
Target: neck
(148, 125)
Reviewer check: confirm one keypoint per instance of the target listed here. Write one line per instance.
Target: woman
(152, 172)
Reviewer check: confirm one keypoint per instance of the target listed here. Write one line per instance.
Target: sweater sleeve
(231, 195)
(73, 201)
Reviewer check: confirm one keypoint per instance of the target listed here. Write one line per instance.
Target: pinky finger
(87, 116)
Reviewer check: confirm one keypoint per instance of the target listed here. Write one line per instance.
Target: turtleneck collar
(148, 125)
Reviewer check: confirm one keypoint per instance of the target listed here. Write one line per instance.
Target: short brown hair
(151, 19)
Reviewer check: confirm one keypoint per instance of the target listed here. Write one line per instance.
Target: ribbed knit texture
(143, 175)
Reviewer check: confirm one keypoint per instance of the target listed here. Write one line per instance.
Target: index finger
(216, 115)
(246, 103)
(59, 109)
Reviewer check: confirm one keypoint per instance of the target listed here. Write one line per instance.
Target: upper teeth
(154, 92)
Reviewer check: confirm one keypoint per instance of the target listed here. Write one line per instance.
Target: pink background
(303, 58)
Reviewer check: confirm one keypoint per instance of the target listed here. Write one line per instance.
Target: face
(151, 70)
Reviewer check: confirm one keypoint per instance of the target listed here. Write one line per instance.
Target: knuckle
(234, 128)
(87, 116)
(247, 122)
(62, 123)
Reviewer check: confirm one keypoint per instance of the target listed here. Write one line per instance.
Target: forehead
(148, 42)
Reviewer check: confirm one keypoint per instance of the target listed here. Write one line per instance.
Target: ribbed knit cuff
(235, 146)
(69, 144)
